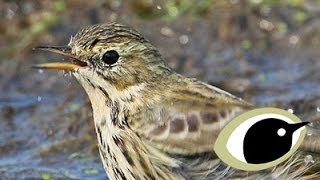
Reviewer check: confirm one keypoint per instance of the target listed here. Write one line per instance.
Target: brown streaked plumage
(151, 122)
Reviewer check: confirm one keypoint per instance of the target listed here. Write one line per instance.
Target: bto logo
(260, 139)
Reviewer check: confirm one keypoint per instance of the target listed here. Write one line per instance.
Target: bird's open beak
(65, 51)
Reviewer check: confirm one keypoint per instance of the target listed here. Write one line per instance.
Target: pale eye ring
(110, 57)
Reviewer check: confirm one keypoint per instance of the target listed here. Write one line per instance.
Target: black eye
(110, 57)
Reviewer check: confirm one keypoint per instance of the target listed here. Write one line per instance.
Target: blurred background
(265, 51)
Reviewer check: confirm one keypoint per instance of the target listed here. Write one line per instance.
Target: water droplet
(309, 133)
(166, 31)
(266, 25)
(39, 98)
(184, 39)
(308, 159)
(290, 111)
(159, 7)
(318, 109)
(294, 40)
(40, 71)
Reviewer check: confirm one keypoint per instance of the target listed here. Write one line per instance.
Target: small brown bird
(151, 122)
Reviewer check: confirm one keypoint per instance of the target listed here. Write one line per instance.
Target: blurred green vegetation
(260, 18)
(254, 23)
(171, 9)
(31, 26)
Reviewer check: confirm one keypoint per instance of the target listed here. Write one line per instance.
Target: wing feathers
(189, 119)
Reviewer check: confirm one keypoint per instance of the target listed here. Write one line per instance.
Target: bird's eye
(110, 57)
(260, 139)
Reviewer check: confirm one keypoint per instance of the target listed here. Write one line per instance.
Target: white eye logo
(260, 139)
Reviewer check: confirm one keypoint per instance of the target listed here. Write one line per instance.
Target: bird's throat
(123, 154)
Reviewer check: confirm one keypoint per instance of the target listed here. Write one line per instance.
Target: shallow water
(28, 131)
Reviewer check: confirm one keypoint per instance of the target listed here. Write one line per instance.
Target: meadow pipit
(151, 122)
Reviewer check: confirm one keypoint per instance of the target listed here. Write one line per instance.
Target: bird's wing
(190, 120)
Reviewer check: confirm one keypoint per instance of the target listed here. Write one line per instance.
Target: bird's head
(110, 56)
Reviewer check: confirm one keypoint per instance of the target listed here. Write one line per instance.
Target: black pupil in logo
(268, 140)
(110, 57)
